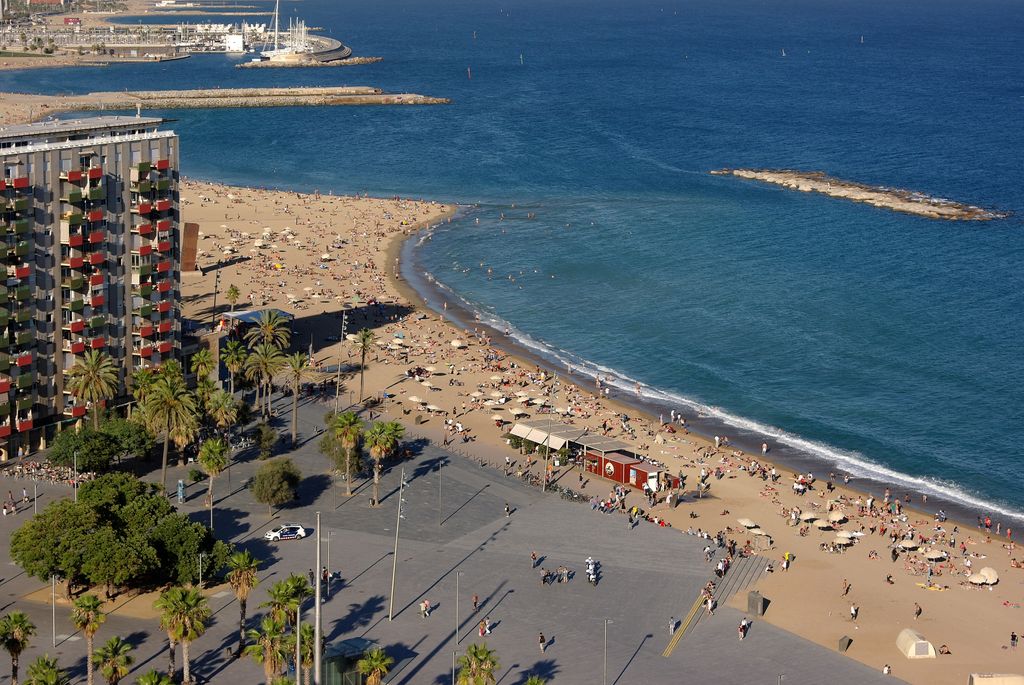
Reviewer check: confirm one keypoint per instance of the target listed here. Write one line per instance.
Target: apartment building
(89, 224)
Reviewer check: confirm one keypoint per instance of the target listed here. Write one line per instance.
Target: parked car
(288, 531)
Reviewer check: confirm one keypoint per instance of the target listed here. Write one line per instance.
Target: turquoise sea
(859, 340)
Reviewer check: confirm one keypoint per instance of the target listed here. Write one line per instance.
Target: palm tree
(234, 359)
(264, 362)
(232, 296)
(243, 577)
(364, 343)
(285, 596)
(348, 428)
(213, 457)
(477, 666)
(222, 407)
(204, 389)
(87, 616)
(268, 646)
(114, 659)
(171, 408)
(381, 440)
(186, 615)
(45, 671)
(93, 379)
(296, 370)
(306, 649)
(375, 664)
(535, 680)
(142, 382)
(202, 363)
(272, 328)
(167, 604)
(154, 677)
(15, 632)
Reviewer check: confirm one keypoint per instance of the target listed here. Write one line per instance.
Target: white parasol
(935, 555)
(746, 523)
(908, 544)
(808, 516)
(990, 575)
(842, 541)
(822, 524)
(837, 517)
(413, 398)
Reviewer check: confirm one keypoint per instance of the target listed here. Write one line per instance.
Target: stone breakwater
(21, 107)
(895, 199)
(346, 62)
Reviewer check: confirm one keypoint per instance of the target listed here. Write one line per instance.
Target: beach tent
(913, 645)
(995, 679)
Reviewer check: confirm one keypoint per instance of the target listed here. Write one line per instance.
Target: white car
(288, 531)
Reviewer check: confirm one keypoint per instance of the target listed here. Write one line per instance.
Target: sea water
(884, 344)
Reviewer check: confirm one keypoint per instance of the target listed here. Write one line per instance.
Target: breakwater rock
(895, 199)
(346, 62)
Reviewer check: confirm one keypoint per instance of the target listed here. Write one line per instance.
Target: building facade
(89, 219)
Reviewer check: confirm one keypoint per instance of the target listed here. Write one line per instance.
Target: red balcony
(97, 237)
(163, 286)
(24, 359)
(162, 164)
(163, 267)
(146, 331)
(145, 250)
(96, 279)
(162, 205)
(76, 240)
(146, 351)
(22, 271)
(164, 246)
(95, 172)
(3, 185)
(78, 411)
(143, 208)
(77, 347)
(5, 429)
(97, 300)
(165, 347)
(163, 307)
(25, 425)
(20, 183)
(144, 229)
(77, 326)
(98, 343)
(76, 262)
(73, 175)
(97, 258)
(164, 327)
(5, 385)
(163, 225)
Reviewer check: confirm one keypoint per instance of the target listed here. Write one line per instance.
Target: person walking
(487, 625)
(542, 642)
(846, 587)
(917, 611)
(671, 626)
(476, 602)
(533, 558)
(481, 627)
(508, 511)
(854, 610)
(1013, 640)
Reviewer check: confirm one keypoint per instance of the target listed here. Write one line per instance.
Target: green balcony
(144, 269)
(143, 187)
(145, 290)
(25, 402)
(23, 292)
(18, 204)
(97, 193)
(146, 310)
(73, 282)
(143, 168)
(75, 305)
(97, 321)
(72, 196)
(22, 226)
(5, 410)
(163, 184)
(5, 318)
(5, 342)
(26, 380)
(23, 315)
(72, 218)
(4, 297)
(5, 362)
(22, 248)
(25, 337)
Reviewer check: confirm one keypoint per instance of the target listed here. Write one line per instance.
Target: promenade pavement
(647, 575)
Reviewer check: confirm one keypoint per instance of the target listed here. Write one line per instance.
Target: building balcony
(98, 343)
(25, 380)
(97, 258)
(76, 411)
(142, 187)
(19, 204)
(25, 403)
(77, 347)
(71, 219)
(23, 359)
(163, 225)
(165, 327)
(97, 237)
(25, 337)
(165, 347)
(24, 425)
(142, 168)
(163, 184)
(73, 282)
(145, 331)
(73, 262)
(5, 430)
(5, 387)
(4, 295)
(144, 351)
(145, 310)
(72, 175)
(144, 250)
(19, 271)
(75, 305)
(163, 286)
(142, 208)
(162, 205)
(97, 321)
(165, 246)
(164, 266)
(23, 292)
(162, 164)
(72, 195)
(21, 248)
(97, 193)
(21, 226)
(23, 315)
(76, 326)
(143, 229)
(97, 300)
(96, 215)
(96, 279)
(144, 289)
(73, 239)
(95, 172)
(163, 307)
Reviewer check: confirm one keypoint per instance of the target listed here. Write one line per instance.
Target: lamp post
(76, 473)
(394, 560)
(341, 343)
(440, 463)
(317, 639)
(200, 569)
(298, 641)
(606, 622)
(53, 609)
(216, 289)
(458, 637)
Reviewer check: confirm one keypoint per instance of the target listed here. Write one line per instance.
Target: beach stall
(913, 645)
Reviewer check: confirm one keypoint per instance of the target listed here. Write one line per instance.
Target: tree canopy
(275, 482)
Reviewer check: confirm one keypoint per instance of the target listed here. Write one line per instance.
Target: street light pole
(341, 343)
(440, 463)
(317, 639)
(606, 622)
(53, 608)
(76, 474)
(458, 637)
(35, 498)
(394, 560)
(216, 288)
(200, 569)
(329, 534)
(298, 641)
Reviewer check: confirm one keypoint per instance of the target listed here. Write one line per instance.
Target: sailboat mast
(277, 7)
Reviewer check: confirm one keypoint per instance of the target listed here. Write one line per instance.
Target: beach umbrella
(935, 555)
(978, 579)
(908, 544)
(393, 346)
(495, 394)
(808, 516)
(433, 407)
(497, 417)
(326, 257)
(476, 393)
(522, 400)
(758, 531)
(837, 517)
(458, 344)
(426, 384)
(522, 394)
(746, 523)
(496, 378)
(430, 369)
(413, 398)
(821, 524)
(990, 575)
(840, 540)
(845, 534)
(351, 337)
(562, 410)
(516, 411)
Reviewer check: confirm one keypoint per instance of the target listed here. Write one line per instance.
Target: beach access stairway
(743, 572)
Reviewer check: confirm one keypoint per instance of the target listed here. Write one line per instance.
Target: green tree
(213, 457)
(118, 558)
(16, 630)
(204, 389)
(132, 437)
(179, 542)
(264, 362)
(184, 614)
(285, 596)
(381, 440)
(272, 328)
(93, 449)
(114, 659)
(266, 438)
(50, 543)
(347, 427)
(535, 680)
(92, 379)
(170, 408)
(45, 671)
(243, 575)
(364, 344)
(296, 370)
(202, 363)
(306, 650)
(232, 296)
(268, 646)
(234, 358)
(154, 677)
(477, 666)
(375, 664)
(142, 382)
(275, 483)
(87, 616)
(222, 407)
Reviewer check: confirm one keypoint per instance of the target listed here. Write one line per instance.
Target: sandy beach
(362, 237)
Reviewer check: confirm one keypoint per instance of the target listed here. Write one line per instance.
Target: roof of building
(68, 126)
